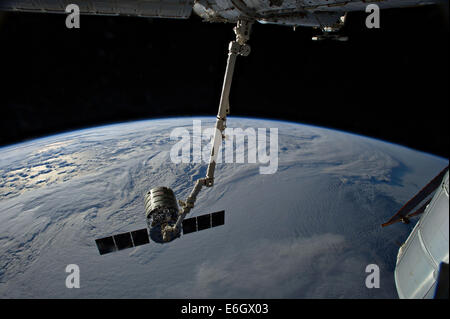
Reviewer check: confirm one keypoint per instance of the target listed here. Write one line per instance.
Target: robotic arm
(235, 48)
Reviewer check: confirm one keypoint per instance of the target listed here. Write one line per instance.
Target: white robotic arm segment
(238, 47)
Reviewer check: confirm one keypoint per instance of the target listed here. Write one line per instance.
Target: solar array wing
(122, 241)
(202, 222)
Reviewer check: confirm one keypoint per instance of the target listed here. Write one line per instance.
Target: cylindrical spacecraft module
(161, 205)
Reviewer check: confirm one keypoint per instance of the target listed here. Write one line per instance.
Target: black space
(391, 83)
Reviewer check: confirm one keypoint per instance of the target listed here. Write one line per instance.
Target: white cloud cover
(321, 266)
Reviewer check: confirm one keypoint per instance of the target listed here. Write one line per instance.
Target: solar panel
(204, 222)
(140, 237)
(218, 218)
(189, 225)
(123, 241)
(105, 245)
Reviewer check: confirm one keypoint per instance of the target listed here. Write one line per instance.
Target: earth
(307, 231)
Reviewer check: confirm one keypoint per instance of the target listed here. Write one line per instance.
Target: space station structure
(327, 15)
(422, 266)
